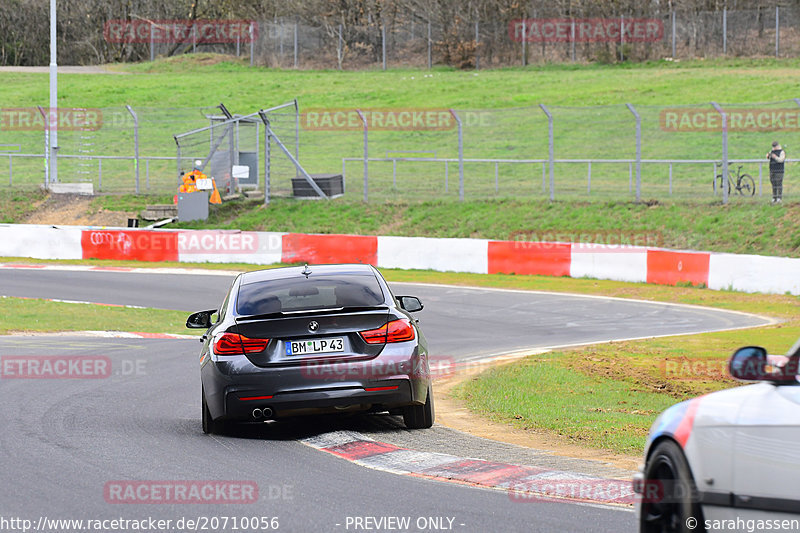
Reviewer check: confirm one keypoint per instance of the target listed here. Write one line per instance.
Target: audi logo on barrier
(101, 237)
(120, 241)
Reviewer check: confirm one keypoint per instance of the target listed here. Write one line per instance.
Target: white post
(53, 124)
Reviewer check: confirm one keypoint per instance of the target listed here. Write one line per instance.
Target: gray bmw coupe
(312, 340)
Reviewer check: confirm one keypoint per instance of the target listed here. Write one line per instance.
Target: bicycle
(743, 183)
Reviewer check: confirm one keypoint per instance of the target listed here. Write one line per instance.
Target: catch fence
(624, 152)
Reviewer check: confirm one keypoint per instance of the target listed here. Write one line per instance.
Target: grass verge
(608, 395)
(23, 315)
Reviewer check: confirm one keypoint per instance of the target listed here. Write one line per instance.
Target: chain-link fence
(420, 40)
(621, 152)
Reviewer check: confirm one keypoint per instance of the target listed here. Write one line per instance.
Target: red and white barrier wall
(748, 273)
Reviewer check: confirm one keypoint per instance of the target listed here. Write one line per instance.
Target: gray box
(192, 206)
(331, 184)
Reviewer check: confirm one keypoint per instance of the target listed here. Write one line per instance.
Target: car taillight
(395, 331)
(235, 344)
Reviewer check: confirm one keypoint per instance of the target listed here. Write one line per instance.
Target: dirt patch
(452, 413)
(75, 210)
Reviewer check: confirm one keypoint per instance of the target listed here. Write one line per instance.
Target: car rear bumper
(234, 387)
(239, 405)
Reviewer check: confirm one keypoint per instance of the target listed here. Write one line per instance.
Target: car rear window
(314, 292)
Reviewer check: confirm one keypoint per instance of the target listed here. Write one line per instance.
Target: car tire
(675, 503)
(420, 416)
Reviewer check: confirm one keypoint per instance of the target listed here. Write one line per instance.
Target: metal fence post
(295, 44)
(572, 38)
(777, 30)
(638, 152)
(477, 46)
(194, 38)
(297, 133)
(267, 165)
(674, 52)
(430, 57)
(99, 174)
(135, 143)
(252, 44)
(724, 30)
(152, 44)
(524, 45)
(460, 155)
(621, 37)
(725, 177)
(551, 149)
(340, 49)
(280, 38)
(366, 154)
(383, 44)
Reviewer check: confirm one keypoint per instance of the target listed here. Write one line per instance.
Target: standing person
(776, 158)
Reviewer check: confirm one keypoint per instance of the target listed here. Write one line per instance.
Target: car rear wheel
(420, 416)
(669, 503)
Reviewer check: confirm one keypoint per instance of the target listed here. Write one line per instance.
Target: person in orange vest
(190, 183)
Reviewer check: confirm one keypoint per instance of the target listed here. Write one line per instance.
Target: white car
(729, 460)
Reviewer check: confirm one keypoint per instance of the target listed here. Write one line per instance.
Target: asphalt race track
(66, 443)
(459, 322)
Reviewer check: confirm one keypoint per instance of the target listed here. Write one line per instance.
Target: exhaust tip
(258, 413)
(266, 412)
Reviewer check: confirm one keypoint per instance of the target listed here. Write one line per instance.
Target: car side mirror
(200, 319)
(750, 364)
(412, 304)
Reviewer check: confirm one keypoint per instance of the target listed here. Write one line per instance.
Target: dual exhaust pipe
(262, 413)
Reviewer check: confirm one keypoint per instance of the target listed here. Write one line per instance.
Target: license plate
(304, 347)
